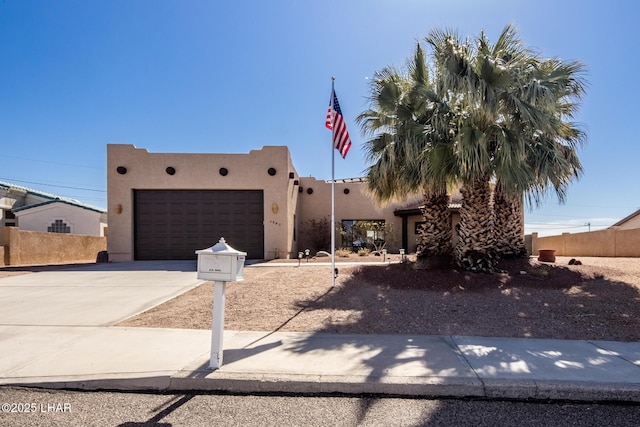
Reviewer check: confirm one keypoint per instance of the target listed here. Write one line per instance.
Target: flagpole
(333, 213)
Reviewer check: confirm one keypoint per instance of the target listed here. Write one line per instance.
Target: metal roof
(51, 198)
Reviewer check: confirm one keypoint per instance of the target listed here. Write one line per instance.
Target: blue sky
(229, 77)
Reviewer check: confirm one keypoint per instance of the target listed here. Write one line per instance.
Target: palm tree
(511, 109)
(407, 152)
(494, 119)
(454, 64)
(545, 146)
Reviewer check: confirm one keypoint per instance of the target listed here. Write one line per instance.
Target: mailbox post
(221, 264)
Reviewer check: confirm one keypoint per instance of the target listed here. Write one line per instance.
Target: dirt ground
(598, 300)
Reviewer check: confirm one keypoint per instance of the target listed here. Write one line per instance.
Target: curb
(307, 385)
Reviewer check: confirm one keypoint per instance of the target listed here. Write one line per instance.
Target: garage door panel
(172, 224)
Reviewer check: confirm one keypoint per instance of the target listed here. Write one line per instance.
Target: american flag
(335, 122)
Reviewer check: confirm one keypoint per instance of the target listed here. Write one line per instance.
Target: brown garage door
(173, 224)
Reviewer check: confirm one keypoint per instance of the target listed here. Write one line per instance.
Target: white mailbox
(221, 263)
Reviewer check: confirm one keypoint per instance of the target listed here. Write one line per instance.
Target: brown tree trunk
(508, 225)
(475, 248)
(435, 235)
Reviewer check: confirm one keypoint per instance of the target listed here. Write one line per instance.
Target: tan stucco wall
(200, 171)
(412, 237)
(628, 243)
(612, 242)
(590, 244)
(286, 209)
(549, 242)
(357, 205)
(36, 248)
(293, 207)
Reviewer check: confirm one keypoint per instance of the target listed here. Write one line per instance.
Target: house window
(9, 219)
(59, 226)
(357, 233)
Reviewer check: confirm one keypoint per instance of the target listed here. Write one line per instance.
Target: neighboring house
(33, 210)
(629, 222)
(168, 205)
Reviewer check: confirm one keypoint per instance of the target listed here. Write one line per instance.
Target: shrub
(317, 234)
(343, 252)
(363, 252)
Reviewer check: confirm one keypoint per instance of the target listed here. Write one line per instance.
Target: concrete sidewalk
(99, 358)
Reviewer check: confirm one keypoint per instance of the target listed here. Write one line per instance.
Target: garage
(173, 224)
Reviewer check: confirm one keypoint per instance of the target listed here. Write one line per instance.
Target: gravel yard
(598, 300)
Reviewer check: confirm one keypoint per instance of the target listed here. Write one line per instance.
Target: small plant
(363, 252)
(317, 233)
(373, 234)
(343, 252)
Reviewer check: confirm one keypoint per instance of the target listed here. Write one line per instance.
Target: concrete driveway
(54, 325)
(92, 295)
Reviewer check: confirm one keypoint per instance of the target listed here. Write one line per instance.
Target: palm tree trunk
(435, 234)
(509, 227)
(475, 251)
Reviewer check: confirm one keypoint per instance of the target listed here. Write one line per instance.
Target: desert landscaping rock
(598, 300)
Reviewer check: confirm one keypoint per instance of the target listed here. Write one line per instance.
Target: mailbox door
(218, 264)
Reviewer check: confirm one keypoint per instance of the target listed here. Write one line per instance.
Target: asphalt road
(27, 407)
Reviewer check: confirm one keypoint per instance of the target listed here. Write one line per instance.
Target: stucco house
(167, 205)
(629, 222)
(34, 210)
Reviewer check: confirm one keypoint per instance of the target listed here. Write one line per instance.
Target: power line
(552, 227)
(532, 212)
(51, 162)
(555, 224)
(52, 185)
(600, 206)
(549, 215)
